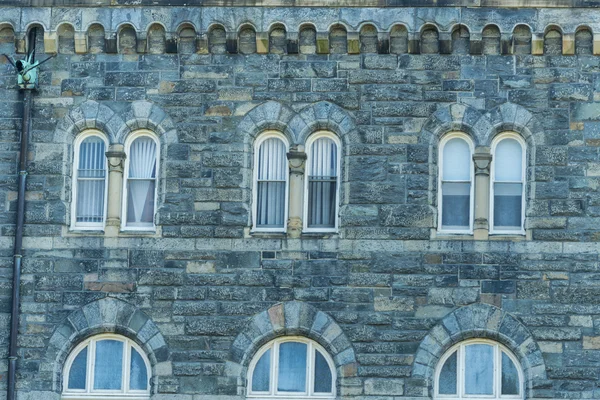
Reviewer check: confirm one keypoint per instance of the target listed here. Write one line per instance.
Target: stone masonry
(387, 295)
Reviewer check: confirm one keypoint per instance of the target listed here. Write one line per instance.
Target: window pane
(457, 161)
(138, 379)
(91, 174)
(456, 205)
(142, 158)
(261, 376)
(479, 369)
(507, 161)
(507, 205)
(78, 372)
(292, 367)
(108, 369)
(142, 182)
(271, 174)
(322, 184)
(322, 374)
(447, 383)
(510, 376)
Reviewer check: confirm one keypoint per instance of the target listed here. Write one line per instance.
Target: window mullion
(126, 367)
(274, 368)
(91, 366)
(310, 360)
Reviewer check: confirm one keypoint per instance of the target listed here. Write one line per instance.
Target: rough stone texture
(383, 296)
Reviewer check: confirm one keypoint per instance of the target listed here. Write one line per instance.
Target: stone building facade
(387, 291)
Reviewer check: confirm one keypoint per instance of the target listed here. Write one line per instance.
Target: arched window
(107, 366)
(322, 183)
(270, 182)
(141, 166)
(89, 181)
(455, 189)
(508, 184)
(291, 368)
(476, 370)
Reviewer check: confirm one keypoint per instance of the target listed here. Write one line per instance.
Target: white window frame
(261, 139)
(272, 394)
(443, 142)
(130, 139)
(89, 393)
(315, 136)
(498, 139)
(460, 387)
(87, 226)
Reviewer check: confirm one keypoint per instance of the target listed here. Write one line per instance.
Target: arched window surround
(312, 346)
(89, 393)
(76, 158)
(311, 139)
(128, 142)
(499, 349)
(447, 137)
(495, 142)
(259, 141)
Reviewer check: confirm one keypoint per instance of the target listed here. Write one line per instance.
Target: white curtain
(271, 182)
(142, 182)
(91, 175)
(508, 185)
(322, 184)
(456, 185)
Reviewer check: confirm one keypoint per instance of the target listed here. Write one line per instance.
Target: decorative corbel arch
(324, 116)
(102, 316)
(270, 115)
(478, 321)
(291, 318)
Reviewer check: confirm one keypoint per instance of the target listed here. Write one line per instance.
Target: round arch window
(478, 369)
(107, 366)
(288, 368)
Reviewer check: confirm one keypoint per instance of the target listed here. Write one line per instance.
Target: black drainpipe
(18, 256)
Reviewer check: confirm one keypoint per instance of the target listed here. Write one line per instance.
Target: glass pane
(456, 205)
(91, 174)
(142, 158)
(272, 160)
(323, 161)
(447, 383)
(507, 205)
(479, 369)
(108, 370)
(292, 367)
(322, 374)
(78, 371)
(510, 376)
(270, 200)
(140, 203)
(507, 159)
(138, 378)
(261, 376)
(321, 204)
(457, 161)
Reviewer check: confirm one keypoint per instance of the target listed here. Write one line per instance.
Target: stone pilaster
(297, 162)
(482, 159)
(116, 164)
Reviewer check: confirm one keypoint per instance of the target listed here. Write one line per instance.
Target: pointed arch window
(455, 188)
(107, 366)
(322, 183)
(89, 181)
(270, 182)
(291, 367)
(507, 214)
(478, 369)
(141, 166)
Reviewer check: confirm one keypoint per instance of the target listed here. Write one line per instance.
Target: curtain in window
(456, 185)
(508, 185)
(141, 182)
(91, 175)
(322, 184)
(271, 182)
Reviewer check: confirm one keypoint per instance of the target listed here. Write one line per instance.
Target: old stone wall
(392, 294)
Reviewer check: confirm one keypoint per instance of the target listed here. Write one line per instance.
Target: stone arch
(455, 117)
(217, 37)
(553, 40)
(307, 40)
(143, 114)
(291, 318)
(88, 115)
(338, 39)
(127, 39)
(324, 116)
(584, 41)
(66, 38)
(270, 115)
(278, 39)
(478, 321)
(368, 38)
(247, 39)
(102, 316)
(430, 39)
(511, 117)
(186, 33)
(491, 39)
(399, 39)
(96, 41)
(7, 38)
(156, 39)
(461, 39)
